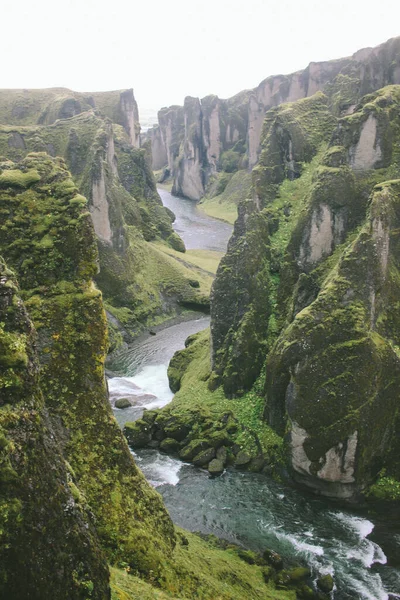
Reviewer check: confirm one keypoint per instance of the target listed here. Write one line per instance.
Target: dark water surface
(361, 551)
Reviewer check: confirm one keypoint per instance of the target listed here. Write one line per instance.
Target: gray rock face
(189, 179)
(190, 145)
(130, 116)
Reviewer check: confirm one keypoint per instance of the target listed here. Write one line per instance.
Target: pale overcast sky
(168, 50)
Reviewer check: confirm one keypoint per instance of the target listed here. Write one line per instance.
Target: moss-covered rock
(48, 238)
(122, 403)
(44, 517)
(342, 419)
(115, 177)
(216, 467)
(138, 433)
(239, 304)
(204, 457)
(325, 583)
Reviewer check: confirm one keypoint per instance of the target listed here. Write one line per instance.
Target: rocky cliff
(97, 139)
(235, 125)
(326, 195)
(60, 440)
(44, 519)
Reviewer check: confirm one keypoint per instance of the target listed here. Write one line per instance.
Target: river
(361, 551)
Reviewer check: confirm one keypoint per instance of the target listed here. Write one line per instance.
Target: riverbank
(251, 508)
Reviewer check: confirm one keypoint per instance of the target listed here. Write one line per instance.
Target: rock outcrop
(45, 520)
(327, 191)
(98, 144)
(47, 237)
(236, 124)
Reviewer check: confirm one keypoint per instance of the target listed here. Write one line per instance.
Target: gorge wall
(326, 194)
(192, 143)
(98, 136)
(72, 496)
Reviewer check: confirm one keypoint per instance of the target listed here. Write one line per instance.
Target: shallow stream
(361, 551)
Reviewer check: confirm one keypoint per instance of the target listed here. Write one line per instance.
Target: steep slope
(45, 107)
(126, 210)
(221, 131)
(47, 237)
(44, 519)
(330, 217)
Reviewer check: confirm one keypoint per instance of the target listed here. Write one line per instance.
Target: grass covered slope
(42, 522)
(205, 569)
(48, 238)
(204, 426)
(225, 193)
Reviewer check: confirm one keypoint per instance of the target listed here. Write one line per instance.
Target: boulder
(325, 583)
(122, 403)
(222, 454)
(138, 433)
(177, 430)
(256, 464)
(242, 459)
(219, 438)
(169, 445)
(273, 559)
(204, 457)
(149, 416)
(216, 467)
(193, 448)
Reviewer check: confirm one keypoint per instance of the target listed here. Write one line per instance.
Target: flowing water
(198, 230)
(361, 551)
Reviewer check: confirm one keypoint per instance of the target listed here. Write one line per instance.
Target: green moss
(14, 177)
(43, 515)
(385, 488)
(346, 381)
(291, 136)
(68, 313)
(209, 415)
(239, 310)
(203, 569)
(224, 195)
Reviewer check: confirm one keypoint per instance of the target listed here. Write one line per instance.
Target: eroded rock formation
(236, 124)
(327, 190)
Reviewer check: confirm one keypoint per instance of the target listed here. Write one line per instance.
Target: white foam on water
(161, 470)
(370, 589)
(363, 550)
(361, 527)
(300, 546)
(153, 379)
(120, 386)
(309, 534)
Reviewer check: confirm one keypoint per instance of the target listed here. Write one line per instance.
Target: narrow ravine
(362, 552)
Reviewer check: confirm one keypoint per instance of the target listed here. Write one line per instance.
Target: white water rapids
(362, 552)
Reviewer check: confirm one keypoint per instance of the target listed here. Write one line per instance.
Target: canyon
(297, 377)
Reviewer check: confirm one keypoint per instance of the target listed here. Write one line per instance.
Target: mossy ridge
(239, 304)
(68, 313)
(291, 135)
(350, 367)
(41, 519)
(43, 106)
(205, 569)
(85, 140)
